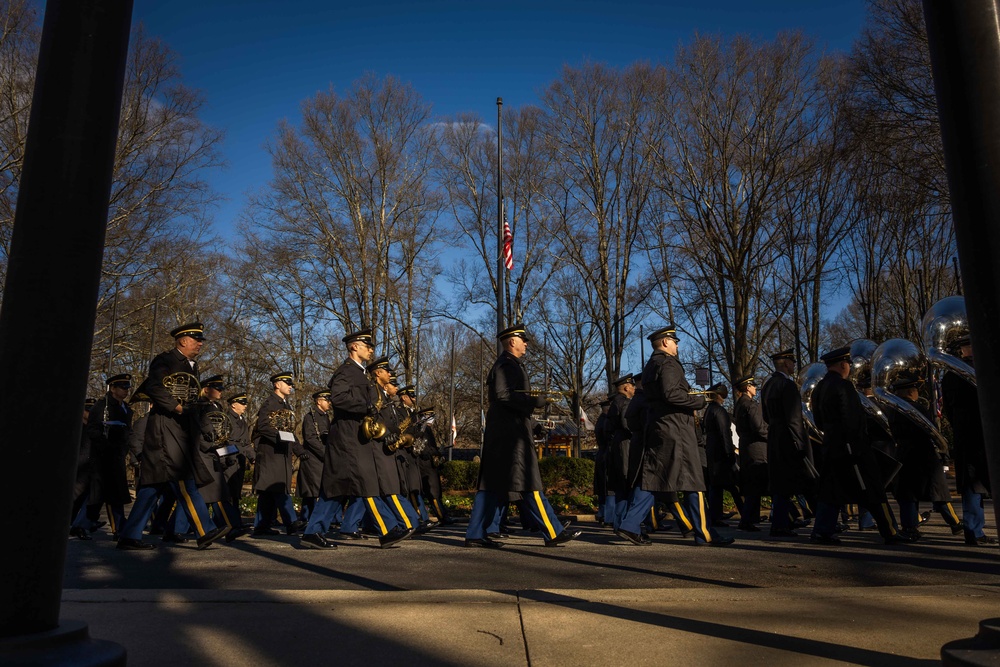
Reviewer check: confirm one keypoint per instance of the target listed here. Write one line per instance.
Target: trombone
(544, 392)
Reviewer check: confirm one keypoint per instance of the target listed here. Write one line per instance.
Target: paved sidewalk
(899, 626)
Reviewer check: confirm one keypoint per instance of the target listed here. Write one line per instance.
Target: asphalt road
(596, 561)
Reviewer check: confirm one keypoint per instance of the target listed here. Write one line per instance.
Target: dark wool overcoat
(350, 468)
(273, 471)
(509, 462)
(961, 407)
(787, 441)
(671, 461)
(166, 446)
(311, 453)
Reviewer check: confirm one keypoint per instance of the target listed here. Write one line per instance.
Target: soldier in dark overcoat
(240, 438)
(619, 436)
(108, 430)
(274, 440)
(407, 459)
(848, 470)
(972, 475)
(671, 462)
(723, 468)
(167, 448)
(789, 454)
(216, 455)
(509, 464)
(350, 473)
(921, 476)
(311, 451)
(430, 459)
(84, 469)
(752, 432)
(392, 483)
(605, 500)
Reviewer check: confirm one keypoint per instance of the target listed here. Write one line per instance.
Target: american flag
(508, 242)
(454, 431)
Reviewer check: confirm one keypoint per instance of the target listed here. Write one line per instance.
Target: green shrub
(567, 476)
(459, 475)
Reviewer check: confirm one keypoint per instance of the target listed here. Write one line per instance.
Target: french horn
(182, 386)
(944, 323)
(809, 377)
(282, 420)
(891, 359)
(222, 428)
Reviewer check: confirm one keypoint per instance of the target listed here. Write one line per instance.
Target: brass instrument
(944, 323)
(544, 392)
(222, 428)
(405, 439)
(282, 420)
(709, 395)
(372, 426)
(892, 358)
(886, 455)
(809, 377)
(182, 386)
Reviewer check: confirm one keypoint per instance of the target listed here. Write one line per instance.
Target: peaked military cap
(193, 329)
(215, 381)
(743, 381)
(393, 380)
(907, 381)
(605, 403)
(240, 397)
(121, 378)
(364, 335)
(628, 378)
(324, 393)
(381, 362)
(720, 388)
(784, 354)
(834, 356)
(426, 411)
(669, 331)
(88, 403)
(285, 377)
(408, 390)
(514, 330)
(139, 396)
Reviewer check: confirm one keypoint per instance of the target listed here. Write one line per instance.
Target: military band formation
(368, 460)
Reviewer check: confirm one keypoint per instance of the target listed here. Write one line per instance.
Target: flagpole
(451, 407)
(501, 269)
(114, 325)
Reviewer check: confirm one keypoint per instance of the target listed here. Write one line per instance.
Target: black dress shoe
(748, 528)
(818, 538)
(114, 537)
(484, 543)
(235, 534)
(175, 538)
(984, 541)
(447, 521)
(354, 536)
(97, 524)
(641, 540)
(720, 524)
(564, 537)
(134, 545)
(80, 533)
(717, 542)
(205, 540)
(497, 536)
(265, 531)
(316, 541)
(296, 527)
(155, 531)
(393, 537)
(958, 528)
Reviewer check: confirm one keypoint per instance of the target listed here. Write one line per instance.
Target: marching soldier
(509, 463)
(921, 476)
(108, 430)
(618, 437)
(605, 501)
(312, 450)
(972, 475)
(406, 457)
(215, 455)
(167, 448)
(239, 438)
(752, 431)
(274, 441)
(430, 460)
(349, 468)
(848, 470)
(789, 454)
(390, 481)
(722, 465)
(671, 462)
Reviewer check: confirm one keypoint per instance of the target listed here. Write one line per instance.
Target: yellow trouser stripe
(544, 515)
(190, 505)
(652, 517)
(805, 505)
(951, 513)
(437, 508)
(225, 515)
(402, 514)
(111, 518)
(378, 517)
(701, 513)
(681, 516)
(888, 518)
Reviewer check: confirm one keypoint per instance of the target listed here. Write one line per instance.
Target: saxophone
(405, 439)
(372, 426)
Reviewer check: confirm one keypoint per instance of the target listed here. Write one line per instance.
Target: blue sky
(255, 61)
